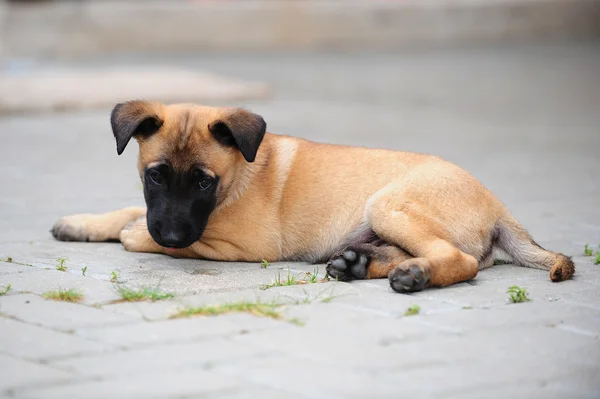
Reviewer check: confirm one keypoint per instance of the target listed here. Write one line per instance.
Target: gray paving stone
(380, 346)
(310, 378)
(537, 313)
(173, 384)
(160, 357)
(181, 329)
(63, 316)
(252, 393)
(151, 311)
(492, 374)
(23, 340)
(528, 390)
(19, 373)
(8, 268)
(373, 300)
(38, 282)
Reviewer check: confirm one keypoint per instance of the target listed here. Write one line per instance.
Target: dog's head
(192, 158)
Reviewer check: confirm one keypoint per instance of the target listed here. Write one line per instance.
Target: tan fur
(301, 200)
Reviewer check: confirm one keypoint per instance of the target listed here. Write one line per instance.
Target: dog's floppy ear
(241, 129)
(134, 118)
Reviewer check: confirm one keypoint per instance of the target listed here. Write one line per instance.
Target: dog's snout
(173, 237)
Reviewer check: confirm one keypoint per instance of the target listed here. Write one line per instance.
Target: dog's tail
(513, 239)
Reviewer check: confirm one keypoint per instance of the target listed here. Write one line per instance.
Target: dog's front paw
(135, 237)
(74, 228)
(410, 276)
(352, 264)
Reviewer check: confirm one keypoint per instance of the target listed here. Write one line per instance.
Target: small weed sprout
(313, 278)
(297, 322)
(114, 277)
(5, 290)
(61, 264)
(143, 294)
(518, 294)
(71, 295)
(264, 264)
(597, 259)
(413, 310)
(294, 279)
(83, 270)
(587, 251)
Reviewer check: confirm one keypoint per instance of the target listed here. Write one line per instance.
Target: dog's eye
(204, 184)
(155, 176)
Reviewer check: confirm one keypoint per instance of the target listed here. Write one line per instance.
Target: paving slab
(13, 268)
(308, 377)
(187, 329)
(176, 383)
(31, 342)
(176, 356)
(59, 315)
(18, 373)
(94, 291)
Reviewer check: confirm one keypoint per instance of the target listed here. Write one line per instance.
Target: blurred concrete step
(79, 28)
(67, 89)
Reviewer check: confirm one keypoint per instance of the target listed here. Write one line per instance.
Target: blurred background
(508, 89)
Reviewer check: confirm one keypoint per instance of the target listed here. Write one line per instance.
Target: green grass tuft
(518, 294)
(114, 277)
(5, 290)
(297, 322)
(597, 260)
(83, 270)
(264, 264)
(413, 310)
(71, 295)
(254, 308)
(61, 264)
(587, 251)
(296, 279)
(143, 294)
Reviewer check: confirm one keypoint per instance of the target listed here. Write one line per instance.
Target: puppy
(217, 186)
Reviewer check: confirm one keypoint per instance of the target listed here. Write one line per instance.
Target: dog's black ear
(241, 129)
(132, 119)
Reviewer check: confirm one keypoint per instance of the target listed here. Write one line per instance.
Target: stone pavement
(523, 120)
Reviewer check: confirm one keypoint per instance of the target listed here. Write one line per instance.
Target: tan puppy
(217, 187)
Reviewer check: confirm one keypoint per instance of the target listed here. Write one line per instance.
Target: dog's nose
(174, 239)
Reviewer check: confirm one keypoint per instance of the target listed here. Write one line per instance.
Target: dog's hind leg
(366, 261)
(96, 227)
(437, 261)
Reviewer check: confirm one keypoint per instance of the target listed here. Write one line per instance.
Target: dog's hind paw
(410, 276)
(352, 264)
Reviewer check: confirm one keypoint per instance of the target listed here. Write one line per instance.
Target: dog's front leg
(95, 227)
